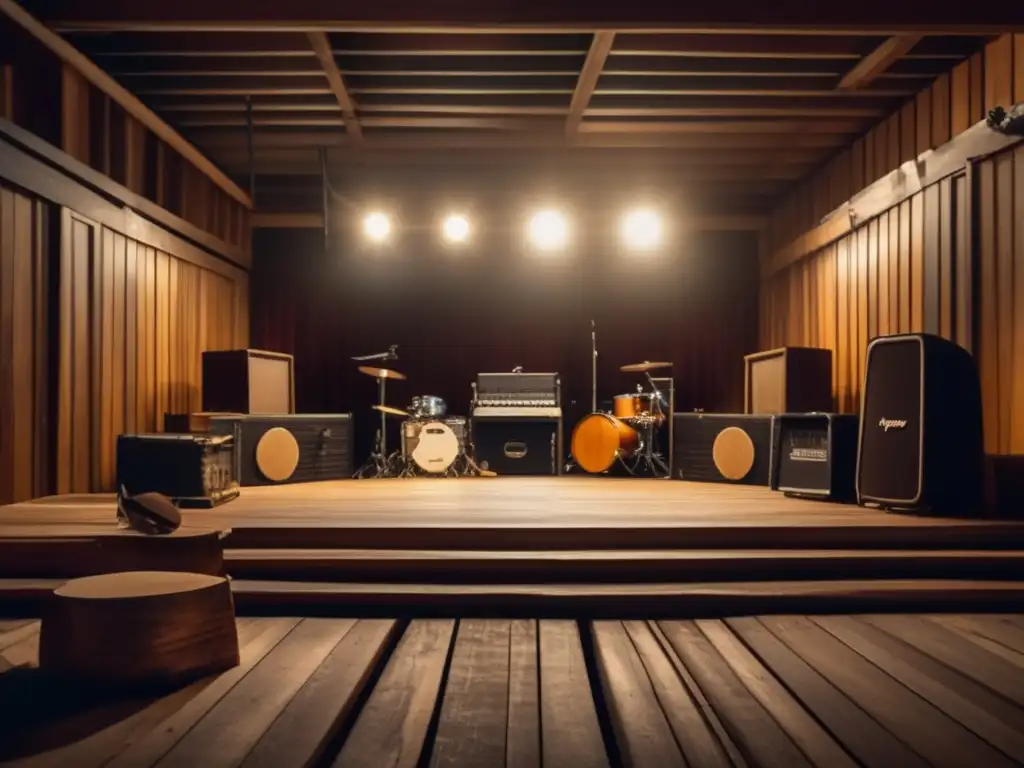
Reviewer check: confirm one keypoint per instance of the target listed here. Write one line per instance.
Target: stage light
(456, 229)
(377, 227)
(548, 231)
(641, 230)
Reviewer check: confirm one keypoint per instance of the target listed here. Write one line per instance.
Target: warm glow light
(641, 230)
(456, 229)
(377, 227)
(548, 231)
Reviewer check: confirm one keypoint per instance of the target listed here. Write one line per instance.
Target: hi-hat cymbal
(643, 367)
(389, 410)
(381, 373)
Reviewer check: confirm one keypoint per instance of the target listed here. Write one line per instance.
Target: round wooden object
(733, 453)
(140, 628)
(277, 454)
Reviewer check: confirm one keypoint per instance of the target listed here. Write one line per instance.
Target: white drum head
(437, 449)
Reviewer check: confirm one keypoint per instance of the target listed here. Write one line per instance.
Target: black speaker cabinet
(272, 450)
(192, 470)
(722, 448)
(920, 445)
(522, 445)
(248, 381)
(816, 455)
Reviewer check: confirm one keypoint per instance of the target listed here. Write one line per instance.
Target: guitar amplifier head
(294, 448)
(722, 448)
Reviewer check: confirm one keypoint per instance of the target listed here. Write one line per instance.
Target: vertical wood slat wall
(910, 270)
(954, 102)
(134, 322)
(100, 133)
(24, 334)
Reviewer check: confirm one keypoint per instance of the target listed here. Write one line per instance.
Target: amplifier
(816, 455)
(193, 470)
(190, 423)
(722, 448)
(293, 448)
(522, 445)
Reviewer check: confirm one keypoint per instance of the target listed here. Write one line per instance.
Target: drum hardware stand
(570, 464)
(649, 457)
(378, 464)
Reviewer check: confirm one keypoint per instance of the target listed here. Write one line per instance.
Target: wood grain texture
(139, 370)
(522, 745)
(569, 726)
(25, 334)
(392, 726)
(471, 730)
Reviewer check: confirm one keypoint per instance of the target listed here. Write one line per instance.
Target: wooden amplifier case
(788, 380)
(190, 423)
(248, 381)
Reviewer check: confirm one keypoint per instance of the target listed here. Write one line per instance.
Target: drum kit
(433, 443)
(628, 434)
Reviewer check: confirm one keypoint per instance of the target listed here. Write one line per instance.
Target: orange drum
(601, 438)
(635, 406)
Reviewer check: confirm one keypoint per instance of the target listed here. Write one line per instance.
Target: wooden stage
(837, 692)
(539, 546)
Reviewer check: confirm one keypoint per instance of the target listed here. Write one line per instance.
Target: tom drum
(599, 439)
(639, 405)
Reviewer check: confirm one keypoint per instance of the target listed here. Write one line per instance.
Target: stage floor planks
(527, 513)
(796, 690)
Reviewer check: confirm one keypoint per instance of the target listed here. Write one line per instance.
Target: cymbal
(643, 367)
(381, 373)
(391, 411)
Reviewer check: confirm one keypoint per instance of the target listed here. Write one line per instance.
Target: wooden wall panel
(24, 402)
(134, 324)
(885, 277)
(6, 92)
(950, 105)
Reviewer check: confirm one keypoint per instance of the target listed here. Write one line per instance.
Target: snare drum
(599, 439)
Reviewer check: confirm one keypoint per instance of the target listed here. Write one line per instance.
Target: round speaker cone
(277, 454)
(733, 453)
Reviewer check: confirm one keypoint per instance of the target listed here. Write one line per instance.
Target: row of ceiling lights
(546, 230)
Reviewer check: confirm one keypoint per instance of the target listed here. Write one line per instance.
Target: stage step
(284, 598)
(616, 566)
(934, 534)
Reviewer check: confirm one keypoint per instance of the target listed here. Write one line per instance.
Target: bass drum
(599, 439)
(437, 447)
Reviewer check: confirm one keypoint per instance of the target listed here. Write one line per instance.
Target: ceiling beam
(105, 83)
(324, 54)
(876, 63)
(876, 16)
(600, 47)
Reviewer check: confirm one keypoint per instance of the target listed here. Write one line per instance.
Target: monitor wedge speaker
(920, 446)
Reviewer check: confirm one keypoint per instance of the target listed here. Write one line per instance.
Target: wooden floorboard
(569, 513)
(755, 691)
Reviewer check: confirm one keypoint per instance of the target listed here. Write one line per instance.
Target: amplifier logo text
(887, 424)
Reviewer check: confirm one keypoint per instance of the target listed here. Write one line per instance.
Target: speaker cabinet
(816, 455)
(788, 380)
(192, 470)
(920, 445)
(248, 381)
(274, 450)
(527, 445)
(722, 448)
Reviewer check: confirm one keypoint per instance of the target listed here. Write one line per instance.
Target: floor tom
(599, 439)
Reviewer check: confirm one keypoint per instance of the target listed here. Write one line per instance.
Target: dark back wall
(491, 306)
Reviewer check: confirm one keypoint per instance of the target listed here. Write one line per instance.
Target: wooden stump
(140, 628)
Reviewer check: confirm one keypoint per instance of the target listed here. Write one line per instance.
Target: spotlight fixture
(377, 227)
(548, 231)
(456, 229)
(641, 230)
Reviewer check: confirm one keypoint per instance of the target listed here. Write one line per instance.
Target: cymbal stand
(649, 457)
(378, 464)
